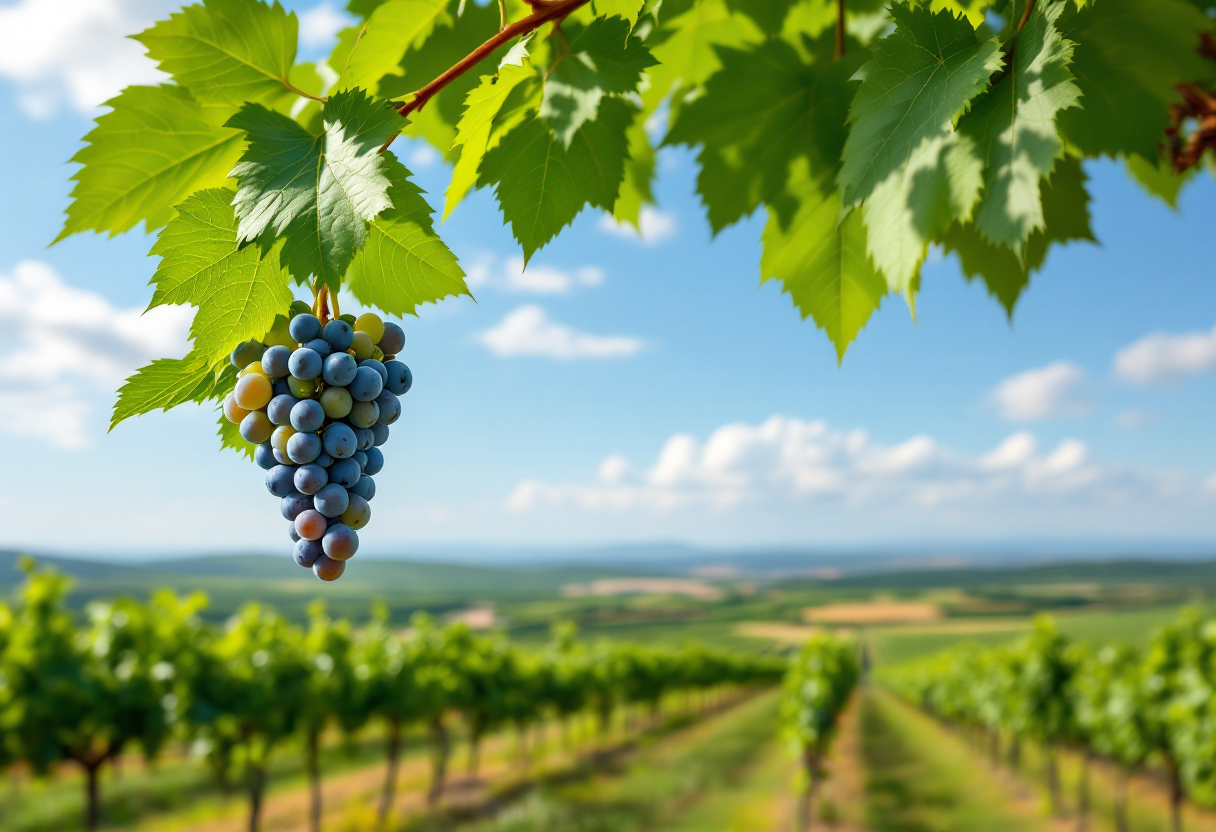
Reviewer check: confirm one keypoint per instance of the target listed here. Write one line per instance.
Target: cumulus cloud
(528, 331)
(319, 26)
(654, 226)
(510, 275)
(1043, 393)
(1161, 357)
(62, 346)
(75, 51)
(787, 461)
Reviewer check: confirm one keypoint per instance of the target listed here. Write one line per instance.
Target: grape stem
(543, 11)
(839, 29)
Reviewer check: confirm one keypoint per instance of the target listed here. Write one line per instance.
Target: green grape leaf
(473, 132)
(636, 189)
(363, 8)
(316, 191)
(230, 437)
(368, 52)
(1158, 177)
(626, 9)
(762, 110)
(163, 385)
(1014, 126)
(602, 60)
(151, 151)
(226, 51)
(822, 261)
(903, 158)
(1128, 59)
(238, 290)
(1065, 219)
(447, 45)
(685, 48)
(404, 263)
(542, 185)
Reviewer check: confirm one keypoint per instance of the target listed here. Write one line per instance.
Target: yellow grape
(233, 412)
(363, 346)
(253, 391)
(370, 323)
(278, 439)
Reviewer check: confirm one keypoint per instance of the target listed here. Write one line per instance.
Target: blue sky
(621, 389)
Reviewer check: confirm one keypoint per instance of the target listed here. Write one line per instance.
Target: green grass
(919, 778)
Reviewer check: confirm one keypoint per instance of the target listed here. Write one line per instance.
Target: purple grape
(331, 500)
(280, 386)
(364, 438)
(393, 339)
(279, 480)
(340, 542)
(400, 379)
(320, 346)
(339, 440)
(247, 353)
(304, 328)
(340, 370)
(307, 552)
(361, 458)
(345, 472)
(305, 364)
(263, 455)
(326, 568)
(324, 460)
(274, 361)
(303, 448)
(279, 409)
(366, 386)
(310, 479)
(377, 366)
(339, 334)
(365, 488)
(390, 407)
(307, 416)
(380, 431)
(292, 533)
(293, 504)
(375, 461)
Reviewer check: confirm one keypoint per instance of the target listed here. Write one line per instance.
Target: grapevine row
(147, 675)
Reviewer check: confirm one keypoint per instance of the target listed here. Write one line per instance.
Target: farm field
(727, 768)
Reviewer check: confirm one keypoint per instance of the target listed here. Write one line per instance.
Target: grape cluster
(317, 399)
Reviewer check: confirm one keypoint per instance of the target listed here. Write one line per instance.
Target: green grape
(301, 389)
(363, 346)
(336, 402)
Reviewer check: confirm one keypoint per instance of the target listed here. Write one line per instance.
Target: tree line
(143, 675)
(1139, 708)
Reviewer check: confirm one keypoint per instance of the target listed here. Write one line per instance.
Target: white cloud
(1161, 357)
(1044, 393)
(786, 461)
(654, 226)
(319, 26)
(423, 156)
(76, 50)
(528, 331)
(510, 275)
(63, 345)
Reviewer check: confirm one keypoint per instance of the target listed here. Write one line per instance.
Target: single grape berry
(246, 352)
(233, 412)
(279, 409)
(274, 361)
(339, 334)
(311, 524)
(357, 513)
(340, 542)
(380, 432)
(300, 388)
(292, 533)
(303, 448)
(293, 505)
(375, 461)
(307, 551)
(279, 480)
(280, 387)
(336, 401)
(305, 364)
(278, 439)
(393, 339)
(378, 367)
(340, 370)
(364, 438)
(331, 500)
(339, 440)
(362, 344)
(263, 455)
(305, 327)
(363, 414)
(365, 488)
(256, 428)
(309, 479)
(345, 472)
(390, 407)
(361, 458)
(307, 415)
(320, 346)
(399, 377)
(365, 387)
(370, 323)
(324, 460)
(328, 569)
(253, 392)
(282, 458)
